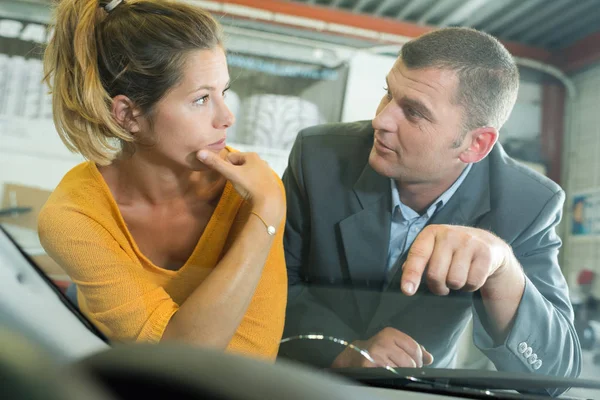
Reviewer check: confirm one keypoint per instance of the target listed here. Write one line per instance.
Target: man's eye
(389, 94)
(411, 112)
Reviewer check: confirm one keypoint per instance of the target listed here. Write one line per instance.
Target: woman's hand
(252, 178)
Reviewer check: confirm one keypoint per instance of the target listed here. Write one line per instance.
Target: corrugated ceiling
(550, 24)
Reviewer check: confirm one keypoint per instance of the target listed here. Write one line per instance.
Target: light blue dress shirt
(407, 223)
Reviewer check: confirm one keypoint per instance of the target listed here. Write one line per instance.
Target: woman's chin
(194, 164)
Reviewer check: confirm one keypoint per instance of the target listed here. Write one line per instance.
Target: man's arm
(305, 313)
(535, 333)
(541, 336)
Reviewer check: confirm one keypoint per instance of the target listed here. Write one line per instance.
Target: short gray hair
(487, 73)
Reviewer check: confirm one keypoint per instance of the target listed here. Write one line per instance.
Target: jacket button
(532, 359)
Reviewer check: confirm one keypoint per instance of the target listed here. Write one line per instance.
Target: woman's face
(192, 116)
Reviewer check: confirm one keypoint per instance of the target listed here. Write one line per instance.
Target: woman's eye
(202, 100)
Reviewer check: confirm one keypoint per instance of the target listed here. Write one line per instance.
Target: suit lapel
(471, 200)
(466, 207)
(366, 235)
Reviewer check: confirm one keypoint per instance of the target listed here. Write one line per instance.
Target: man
(401, 229)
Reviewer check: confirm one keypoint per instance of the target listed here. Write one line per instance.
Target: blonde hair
(137, 50)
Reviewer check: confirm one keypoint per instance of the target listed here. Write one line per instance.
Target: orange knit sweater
(124, 293)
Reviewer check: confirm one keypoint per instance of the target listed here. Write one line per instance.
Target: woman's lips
(220, 145)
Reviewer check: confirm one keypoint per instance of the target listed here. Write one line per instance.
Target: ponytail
(81, 106)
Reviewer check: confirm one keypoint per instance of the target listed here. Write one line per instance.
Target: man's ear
(126, 113)
(482, 140)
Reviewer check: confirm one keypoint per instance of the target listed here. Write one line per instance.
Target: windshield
(438, 224)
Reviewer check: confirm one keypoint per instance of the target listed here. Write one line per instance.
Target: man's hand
(454, 257)
(390, 347)
(463, 258)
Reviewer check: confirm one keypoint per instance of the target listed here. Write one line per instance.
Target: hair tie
(112, 5)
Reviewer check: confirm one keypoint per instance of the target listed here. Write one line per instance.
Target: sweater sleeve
(126, 304)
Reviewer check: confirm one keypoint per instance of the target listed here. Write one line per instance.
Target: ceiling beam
(578, 29)
(580, 54)
(367, 22)
(360, 5)
(462, 13)
(539, 31)
(485, 13)
(383, 5)
(540, 16)
(512, 14)
(433, 11)
(409, 7)
(333, 16)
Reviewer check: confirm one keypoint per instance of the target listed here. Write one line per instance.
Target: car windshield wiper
(465, 378)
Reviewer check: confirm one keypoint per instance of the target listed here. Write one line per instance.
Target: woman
(168, 233)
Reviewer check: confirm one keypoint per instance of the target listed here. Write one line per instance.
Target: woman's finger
(236, 158)
(215, 162)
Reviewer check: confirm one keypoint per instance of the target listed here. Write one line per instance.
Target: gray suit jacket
(336, 244)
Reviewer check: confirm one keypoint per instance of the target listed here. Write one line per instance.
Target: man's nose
(384, 120)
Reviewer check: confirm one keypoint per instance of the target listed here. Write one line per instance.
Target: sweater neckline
(215, 219)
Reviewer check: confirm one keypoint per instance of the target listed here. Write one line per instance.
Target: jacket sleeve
(543, 339)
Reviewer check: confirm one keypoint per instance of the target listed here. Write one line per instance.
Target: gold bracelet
(270, 228)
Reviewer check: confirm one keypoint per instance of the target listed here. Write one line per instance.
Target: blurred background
(295, 64)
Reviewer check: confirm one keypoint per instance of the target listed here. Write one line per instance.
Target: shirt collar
(409, 214)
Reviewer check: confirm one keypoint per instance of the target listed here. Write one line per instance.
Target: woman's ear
(126, 113)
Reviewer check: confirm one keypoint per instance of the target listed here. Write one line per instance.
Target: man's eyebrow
(418, 106)
(414, 103)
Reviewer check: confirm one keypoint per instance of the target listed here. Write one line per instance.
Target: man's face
(419, 134)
